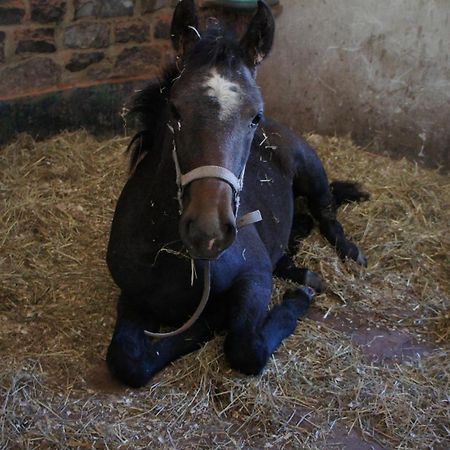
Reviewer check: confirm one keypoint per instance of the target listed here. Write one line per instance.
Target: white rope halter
(221, 173)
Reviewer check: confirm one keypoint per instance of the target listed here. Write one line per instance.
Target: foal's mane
(216, 48)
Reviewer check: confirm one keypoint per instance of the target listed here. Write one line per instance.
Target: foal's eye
(256, 120)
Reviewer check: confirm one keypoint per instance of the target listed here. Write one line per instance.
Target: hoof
(361, 259)
(313, 280)
(304, 294)
(309, 293)
(353, 252)
(298, 301)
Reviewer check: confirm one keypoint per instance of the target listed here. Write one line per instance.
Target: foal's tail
(347, 192)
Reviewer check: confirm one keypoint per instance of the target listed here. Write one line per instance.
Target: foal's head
(215, 108)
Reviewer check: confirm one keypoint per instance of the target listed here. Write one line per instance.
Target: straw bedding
(368, 368)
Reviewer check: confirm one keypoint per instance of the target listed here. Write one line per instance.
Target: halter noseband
(221, 173)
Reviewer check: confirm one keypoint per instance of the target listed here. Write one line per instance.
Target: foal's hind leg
(134, 358)
(287, 269)
(311, 182)
(255, 333)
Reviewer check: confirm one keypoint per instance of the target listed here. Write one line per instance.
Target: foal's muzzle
(208, 224)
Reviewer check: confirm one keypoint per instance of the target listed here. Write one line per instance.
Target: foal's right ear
(184, 31)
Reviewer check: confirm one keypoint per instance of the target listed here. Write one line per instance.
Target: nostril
(185, 227)
(230, 234)
(230, 229)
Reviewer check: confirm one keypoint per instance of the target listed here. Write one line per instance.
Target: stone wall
(66, 64)
(50, 45)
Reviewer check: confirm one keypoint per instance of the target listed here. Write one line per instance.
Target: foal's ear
(184, 31)
(258, 39)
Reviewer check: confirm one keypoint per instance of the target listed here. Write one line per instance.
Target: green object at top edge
(239, 3)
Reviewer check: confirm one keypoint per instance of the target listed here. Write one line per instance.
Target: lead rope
(182, 180)
(245, 220)
(198, 311)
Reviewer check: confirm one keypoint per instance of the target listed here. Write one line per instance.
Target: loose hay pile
(371, 361)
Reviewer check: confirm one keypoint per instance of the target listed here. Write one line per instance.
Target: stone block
(80, 61)
(132, 32)
(149, 6)
(46, 11)
(136, 61)
(103, 8)
(2, 47)
(40, 40)
(100, 72)
(162, 29)
(11, 12)
(87, 35)
(29, 76)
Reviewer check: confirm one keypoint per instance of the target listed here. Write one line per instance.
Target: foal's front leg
(255, 333)
(134, 358)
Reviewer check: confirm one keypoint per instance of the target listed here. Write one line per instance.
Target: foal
(207, 152)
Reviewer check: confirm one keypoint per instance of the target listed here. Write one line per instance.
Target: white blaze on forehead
(225, 91)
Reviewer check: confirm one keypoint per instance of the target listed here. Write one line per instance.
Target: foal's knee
(128, 361)
(246, 353)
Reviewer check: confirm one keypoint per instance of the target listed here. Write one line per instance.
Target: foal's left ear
(258, 39)
(184, 27)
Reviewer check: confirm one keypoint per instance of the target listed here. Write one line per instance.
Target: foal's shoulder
(281, 141)
(291, 151)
